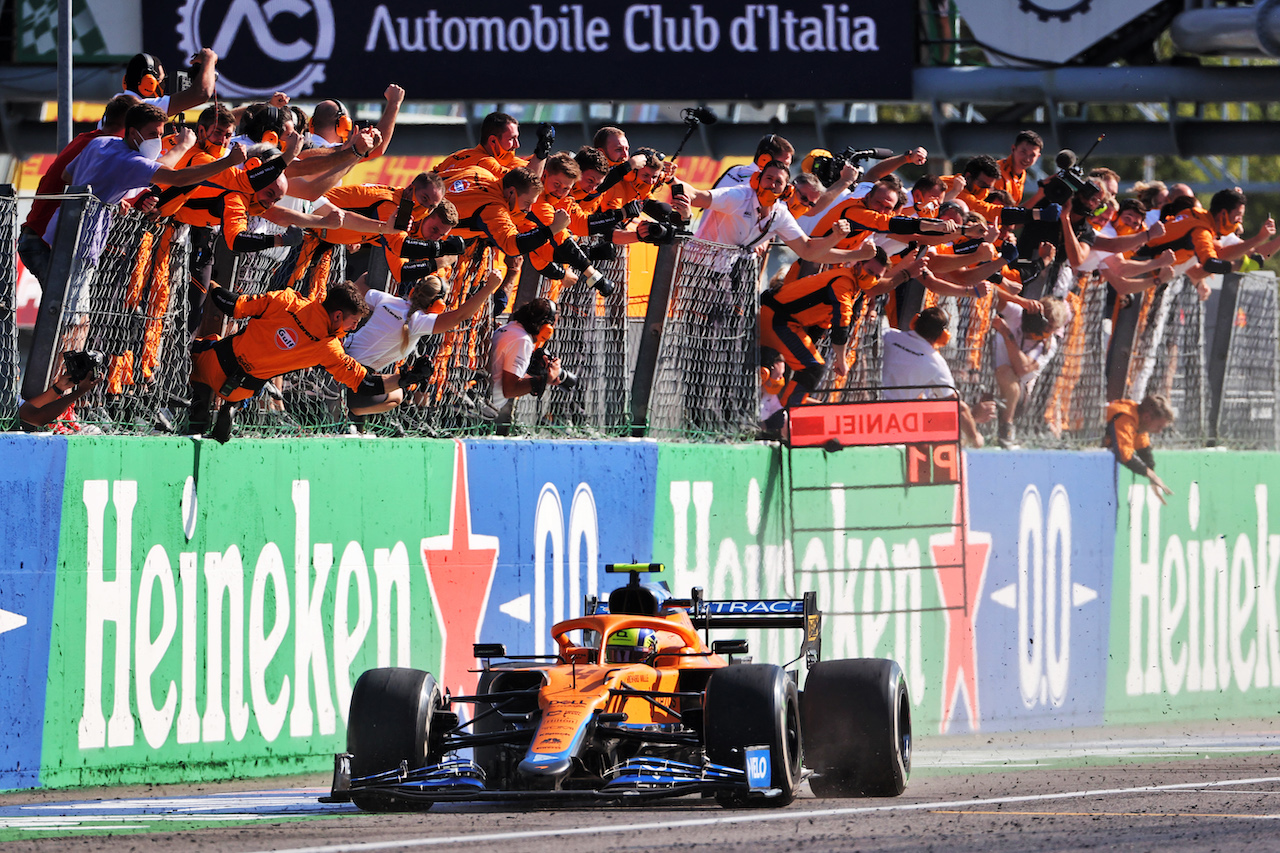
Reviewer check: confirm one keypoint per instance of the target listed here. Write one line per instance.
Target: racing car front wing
(460, 779)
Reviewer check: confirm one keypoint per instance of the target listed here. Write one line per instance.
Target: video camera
(1068, 180)
(827, 169)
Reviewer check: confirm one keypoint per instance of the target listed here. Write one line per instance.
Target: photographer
(517, 363)
(81, 372)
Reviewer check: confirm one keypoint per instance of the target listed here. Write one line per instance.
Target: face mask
(151, 148)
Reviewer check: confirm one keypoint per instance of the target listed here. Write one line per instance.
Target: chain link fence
(706, 384)
(124, 295)
(591, 341)
(1249, 380)
(454, 401)
(126, 299)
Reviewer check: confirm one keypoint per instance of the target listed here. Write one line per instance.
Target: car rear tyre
(754, 705)
(390, 722)
(857, 728)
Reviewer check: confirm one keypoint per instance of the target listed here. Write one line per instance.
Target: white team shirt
(512, 349)
(379, 343)
(911, 360)
(734, 219)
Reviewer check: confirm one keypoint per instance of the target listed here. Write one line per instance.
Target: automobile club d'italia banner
(482, 49)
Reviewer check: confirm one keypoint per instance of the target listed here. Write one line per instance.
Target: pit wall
(178, 610)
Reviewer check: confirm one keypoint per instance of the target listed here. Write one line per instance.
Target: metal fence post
(1227, 298)
(42, 359)
(664, 275)
(1123, 333)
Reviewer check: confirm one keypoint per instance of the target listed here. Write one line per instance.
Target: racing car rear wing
(759, 613)
(706, 614)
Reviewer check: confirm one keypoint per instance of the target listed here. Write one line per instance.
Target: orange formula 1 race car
(636, 704)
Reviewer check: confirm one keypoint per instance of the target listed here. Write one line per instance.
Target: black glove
(453, 245)
(1009, 251)
(552, 271)
(546, 138)
(292, 236)
(631, 210)
(602, 252)
(601, 284)
(415, 373)
(570, 254)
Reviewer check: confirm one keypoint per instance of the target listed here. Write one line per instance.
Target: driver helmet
(631, 645)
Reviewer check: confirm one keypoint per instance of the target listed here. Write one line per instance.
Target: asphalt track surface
(1080, 791)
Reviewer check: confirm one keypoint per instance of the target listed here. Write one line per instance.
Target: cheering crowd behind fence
(682, 363)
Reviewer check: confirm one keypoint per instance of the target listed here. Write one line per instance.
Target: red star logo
(460, 567)
(961, 560)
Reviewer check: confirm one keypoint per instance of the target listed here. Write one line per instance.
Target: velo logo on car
(759, 772)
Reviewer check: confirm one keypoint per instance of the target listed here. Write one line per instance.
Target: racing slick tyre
(389, 722)
(856, 718)
(754, 705)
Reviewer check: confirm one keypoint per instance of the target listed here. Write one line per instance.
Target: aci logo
(263, 46)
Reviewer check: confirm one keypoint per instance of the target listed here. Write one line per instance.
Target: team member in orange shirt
(496, 153)
(1026, 149)
(1130, 426)
(285, 332)
(822, 301)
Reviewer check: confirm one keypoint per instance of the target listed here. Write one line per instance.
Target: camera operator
(82, 370)
(1073, 236)
(517, 363)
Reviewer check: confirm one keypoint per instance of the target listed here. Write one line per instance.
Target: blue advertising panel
(31, 478)
(559, 512)
(1043, 611)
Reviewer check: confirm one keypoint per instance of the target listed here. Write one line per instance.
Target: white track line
(756, 817)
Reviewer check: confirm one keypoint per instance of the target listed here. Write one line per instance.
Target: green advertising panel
(1194, 628)
(760, 522)
(215, 604)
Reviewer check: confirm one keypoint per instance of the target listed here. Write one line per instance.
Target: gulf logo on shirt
(285, 339)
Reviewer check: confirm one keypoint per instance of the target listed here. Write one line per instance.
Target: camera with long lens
(82, 364)
(538, 367)
(828, 169)
(1068, 180)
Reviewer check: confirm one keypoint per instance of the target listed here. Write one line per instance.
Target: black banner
(446, 50)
